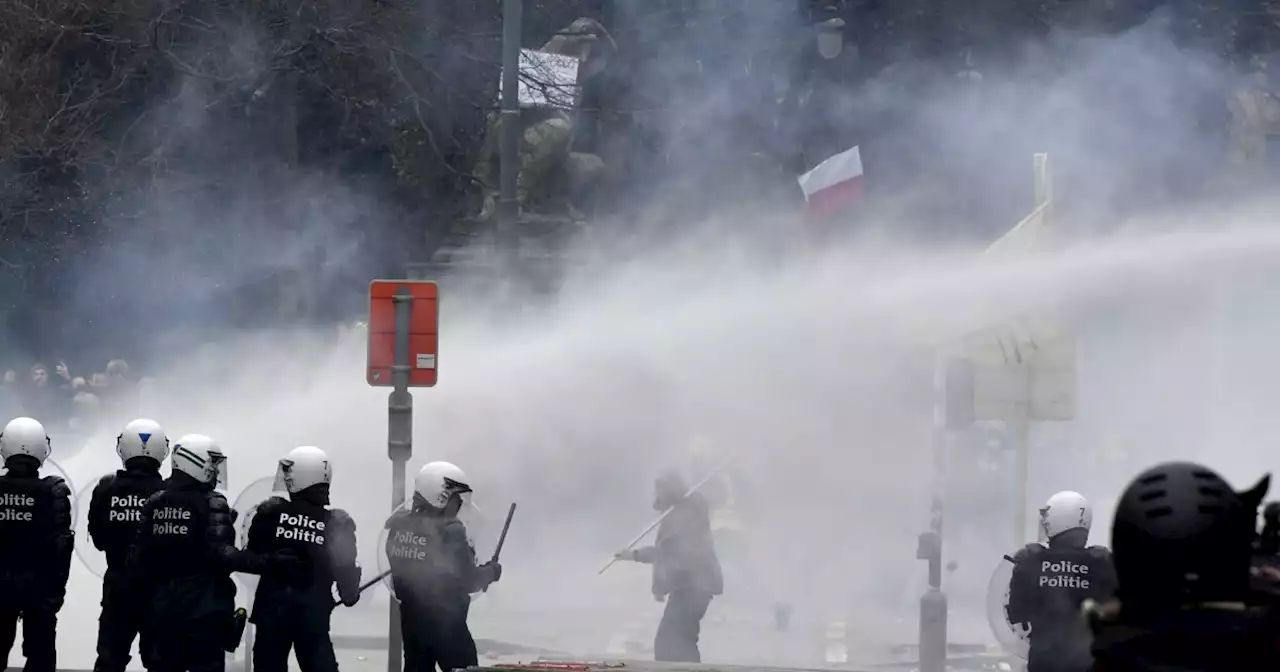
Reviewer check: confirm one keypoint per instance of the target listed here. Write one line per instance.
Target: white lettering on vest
(126, 509)
(300, 528)
(408, 546)
(1063, 574)
(164, 521)
(16, 508)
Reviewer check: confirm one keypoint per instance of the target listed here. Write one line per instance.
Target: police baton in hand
(366, 585)
(502, 538)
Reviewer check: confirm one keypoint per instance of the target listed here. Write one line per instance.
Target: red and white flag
(833, 184)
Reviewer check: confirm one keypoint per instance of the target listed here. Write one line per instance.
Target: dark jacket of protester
(293, 610)
(1048, 588)
(433, 573)
(686, 569)
(115, 516)
(1184, 544)
(181, 566)
(36, 544)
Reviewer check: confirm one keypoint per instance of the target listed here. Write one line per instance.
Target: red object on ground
(562, 667)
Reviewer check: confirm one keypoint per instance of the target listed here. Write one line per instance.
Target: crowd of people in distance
(64, 400)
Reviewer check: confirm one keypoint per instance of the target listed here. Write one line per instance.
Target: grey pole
(399, 443)
(509, 140)
(933, 604)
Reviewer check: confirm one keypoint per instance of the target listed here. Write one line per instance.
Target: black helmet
(1182, 535)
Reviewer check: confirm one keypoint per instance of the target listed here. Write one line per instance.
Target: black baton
(502, 538)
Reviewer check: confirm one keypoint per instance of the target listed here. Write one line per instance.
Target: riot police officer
(1184, 543)
(182, 561)
(292, 611)
(1051, 582)
(36, 543)
(434, 572)
(115, 513)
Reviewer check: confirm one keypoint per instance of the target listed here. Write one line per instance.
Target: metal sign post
(509, 134)
(1020, 371)
(1021, 421)
(952, 410)
(403, 345)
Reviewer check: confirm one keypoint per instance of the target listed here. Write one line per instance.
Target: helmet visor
(216, 470)
(284, 477)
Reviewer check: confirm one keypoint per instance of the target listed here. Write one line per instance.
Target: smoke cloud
(809, 363)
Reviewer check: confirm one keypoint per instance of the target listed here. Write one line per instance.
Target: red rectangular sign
(424, 336)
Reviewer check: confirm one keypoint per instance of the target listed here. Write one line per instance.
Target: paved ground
(507, 633)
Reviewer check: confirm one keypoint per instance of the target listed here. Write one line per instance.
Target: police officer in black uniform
(36, 543)
(115, 513)
(1184, 543)
(1050, 584)
(434, 572)
(292, 611)
(182, 561)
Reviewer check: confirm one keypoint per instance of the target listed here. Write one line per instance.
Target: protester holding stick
(686, 570)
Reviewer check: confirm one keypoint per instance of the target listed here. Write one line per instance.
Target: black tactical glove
(348, 585)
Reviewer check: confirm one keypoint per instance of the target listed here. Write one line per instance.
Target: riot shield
(1014, 639)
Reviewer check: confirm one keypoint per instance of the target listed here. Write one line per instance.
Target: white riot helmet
(302, 468)
(24, 436)
(142, 438)
(438, 482)
(197, 456)
(1065, 511)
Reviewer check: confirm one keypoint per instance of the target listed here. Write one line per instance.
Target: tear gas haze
(810, 367)
(813, 375)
